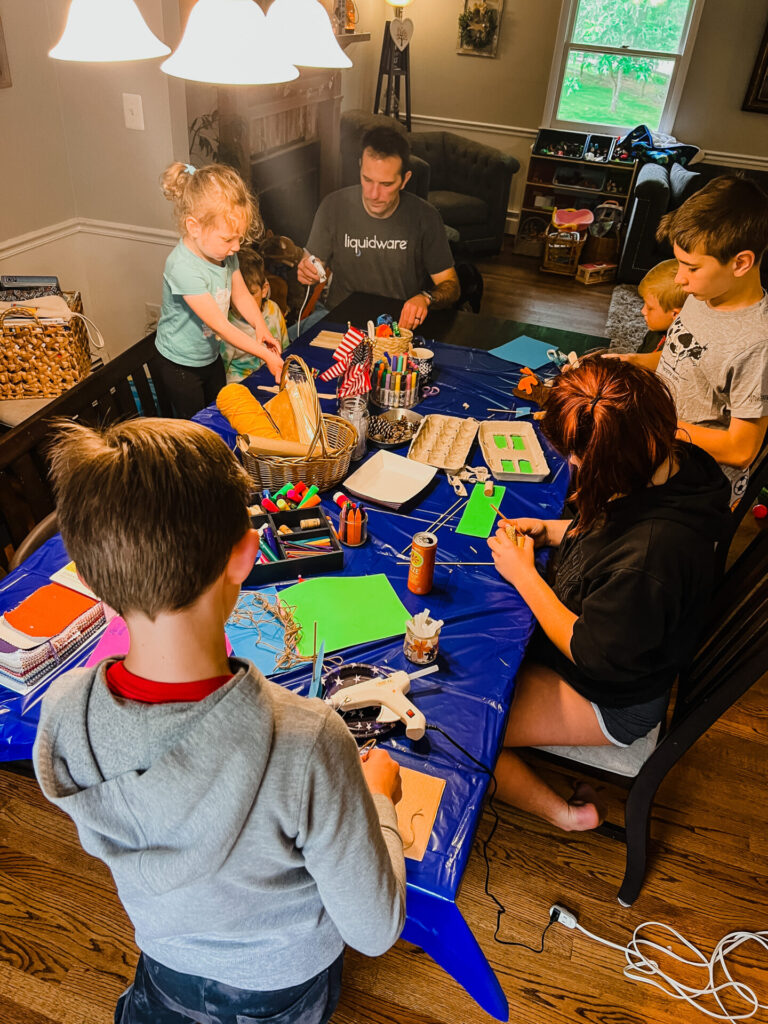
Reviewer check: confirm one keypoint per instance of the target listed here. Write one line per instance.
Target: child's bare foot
(583, 810)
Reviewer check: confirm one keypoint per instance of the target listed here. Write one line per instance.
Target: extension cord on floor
(641, 968)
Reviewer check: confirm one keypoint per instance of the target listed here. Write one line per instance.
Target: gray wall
(511, 89)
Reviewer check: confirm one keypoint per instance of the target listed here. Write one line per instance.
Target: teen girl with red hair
(632, 578)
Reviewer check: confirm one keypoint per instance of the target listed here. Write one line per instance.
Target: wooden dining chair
(731, 659)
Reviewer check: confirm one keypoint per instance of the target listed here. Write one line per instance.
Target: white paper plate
(389, 479)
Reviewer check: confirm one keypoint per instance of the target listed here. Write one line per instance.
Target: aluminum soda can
(422, 569)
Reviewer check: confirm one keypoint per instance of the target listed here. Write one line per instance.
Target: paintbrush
(514, 535)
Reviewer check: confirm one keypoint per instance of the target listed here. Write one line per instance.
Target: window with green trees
(622, 62)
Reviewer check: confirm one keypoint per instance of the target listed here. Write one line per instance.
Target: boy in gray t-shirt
(715, 357)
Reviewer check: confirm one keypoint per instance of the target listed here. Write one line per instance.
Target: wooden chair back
(121, 389)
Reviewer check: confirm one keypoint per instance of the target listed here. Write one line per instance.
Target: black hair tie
(594, 402)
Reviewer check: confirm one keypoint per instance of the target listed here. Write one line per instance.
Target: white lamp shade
(228, 42)
(399, 3)
(304, 30)
(107, 30)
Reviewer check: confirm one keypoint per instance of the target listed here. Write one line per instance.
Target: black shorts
(623, 726)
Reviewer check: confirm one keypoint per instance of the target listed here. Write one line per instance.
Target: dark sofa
(657, 191)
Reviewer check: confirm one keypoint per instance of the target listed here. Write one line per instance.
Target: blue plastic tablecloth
(487, 625)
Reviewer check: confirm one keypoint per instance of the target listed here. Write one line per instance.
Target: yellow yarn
(244, 412)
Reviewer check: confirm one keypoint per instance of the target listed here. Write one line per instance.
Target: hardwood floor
(515, 289)
(66, 946)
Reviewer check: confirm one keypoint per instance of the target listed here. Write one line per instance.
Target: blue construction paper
(522, 410)
(317, 676)
(261, 645)
(526, 351)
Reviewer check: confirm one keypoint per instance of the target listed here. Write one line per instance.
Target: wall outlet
(151, 317)
(133, 111)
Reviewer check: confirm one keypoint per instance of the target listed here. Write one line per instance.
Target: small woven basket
(394, 346)
(39, 359)
(335, 436)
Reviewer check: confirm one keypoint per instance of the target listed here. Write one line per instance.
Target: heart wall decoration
(401, 31)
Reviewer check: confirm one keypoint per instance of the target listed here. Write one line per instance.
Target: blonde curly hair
(210, 192)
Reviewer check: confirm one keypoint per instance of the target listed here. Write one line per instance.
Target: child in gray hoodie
(247, 840)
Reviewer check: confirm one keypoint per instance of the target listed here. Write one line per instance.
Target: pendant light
(306, 34)
(228, 42)
(107, 30)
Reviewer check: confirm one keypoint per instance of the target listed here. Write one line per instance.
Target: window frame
(563, 46)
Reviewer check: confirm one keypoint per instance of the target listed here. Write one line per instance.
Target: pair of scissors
(430, 391)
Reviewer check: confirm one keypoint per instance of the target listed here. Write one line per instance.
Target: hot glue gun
(388, 693)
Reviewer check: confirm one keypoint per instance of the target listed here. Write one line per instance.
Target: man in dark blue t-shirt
(374, 237)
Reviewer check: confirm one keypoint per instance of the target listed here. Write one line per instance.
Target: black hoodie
(641, 585)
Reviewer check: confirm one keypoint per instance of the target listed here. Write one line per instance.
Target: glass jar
(355, 411)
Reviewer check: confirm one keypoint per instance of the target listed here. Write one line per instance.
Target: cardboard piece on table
(524, 350)
(327, 339)
(348, 610)
(417, 810)
(67, 577)
(479, 517)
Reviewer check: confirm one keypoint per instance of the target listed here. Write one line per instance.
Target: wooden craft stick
(327, 339)
(273, 389)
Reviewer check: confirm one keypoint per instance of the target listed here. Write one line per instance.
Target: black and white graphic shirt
(715, 363)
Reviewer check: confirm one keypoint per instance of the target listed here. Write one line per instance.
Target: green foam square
(479, 517)
(525, 466)
(508, 466)
(500, 440)
(518, 443)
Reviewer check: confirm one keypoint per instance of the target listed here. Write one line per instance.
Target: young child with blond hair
(663, 299)
(237, 363)
(215, 213)
(248, 839)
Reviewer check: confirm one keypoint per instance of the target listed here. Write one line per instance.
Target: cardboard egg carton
(512, 451)
(443, 441)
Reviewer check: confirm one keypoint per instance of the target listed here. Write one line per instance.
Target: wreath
(477, 26)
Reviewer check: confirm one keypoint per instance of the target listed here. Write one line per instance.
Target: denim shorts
(159, 995)
(622, 726)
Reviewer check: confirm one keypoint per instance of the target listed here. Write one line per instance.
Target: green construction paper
(508, 466)
(500, 440)
(479, 517)
(525, 467)
(348, 610)
(518, 443)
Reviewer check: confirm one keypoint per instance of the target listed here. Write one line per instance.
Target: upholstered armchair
(469, 184)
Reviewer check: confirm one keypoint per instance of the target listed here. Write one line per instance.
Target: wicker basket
(39, 359)
(393, 345)
(562, 251)
(336, 438)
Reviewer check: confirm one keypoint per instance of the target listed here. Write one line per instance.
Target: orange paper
(48, 611)
(417, 810)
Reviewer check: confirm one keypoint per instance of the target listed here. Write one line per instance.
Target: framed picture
(479, 25)
(5, 71)
(757, 90)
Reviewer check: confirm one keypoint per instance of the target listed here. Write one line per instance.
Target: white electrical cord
(298, 321)
(640, 967)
